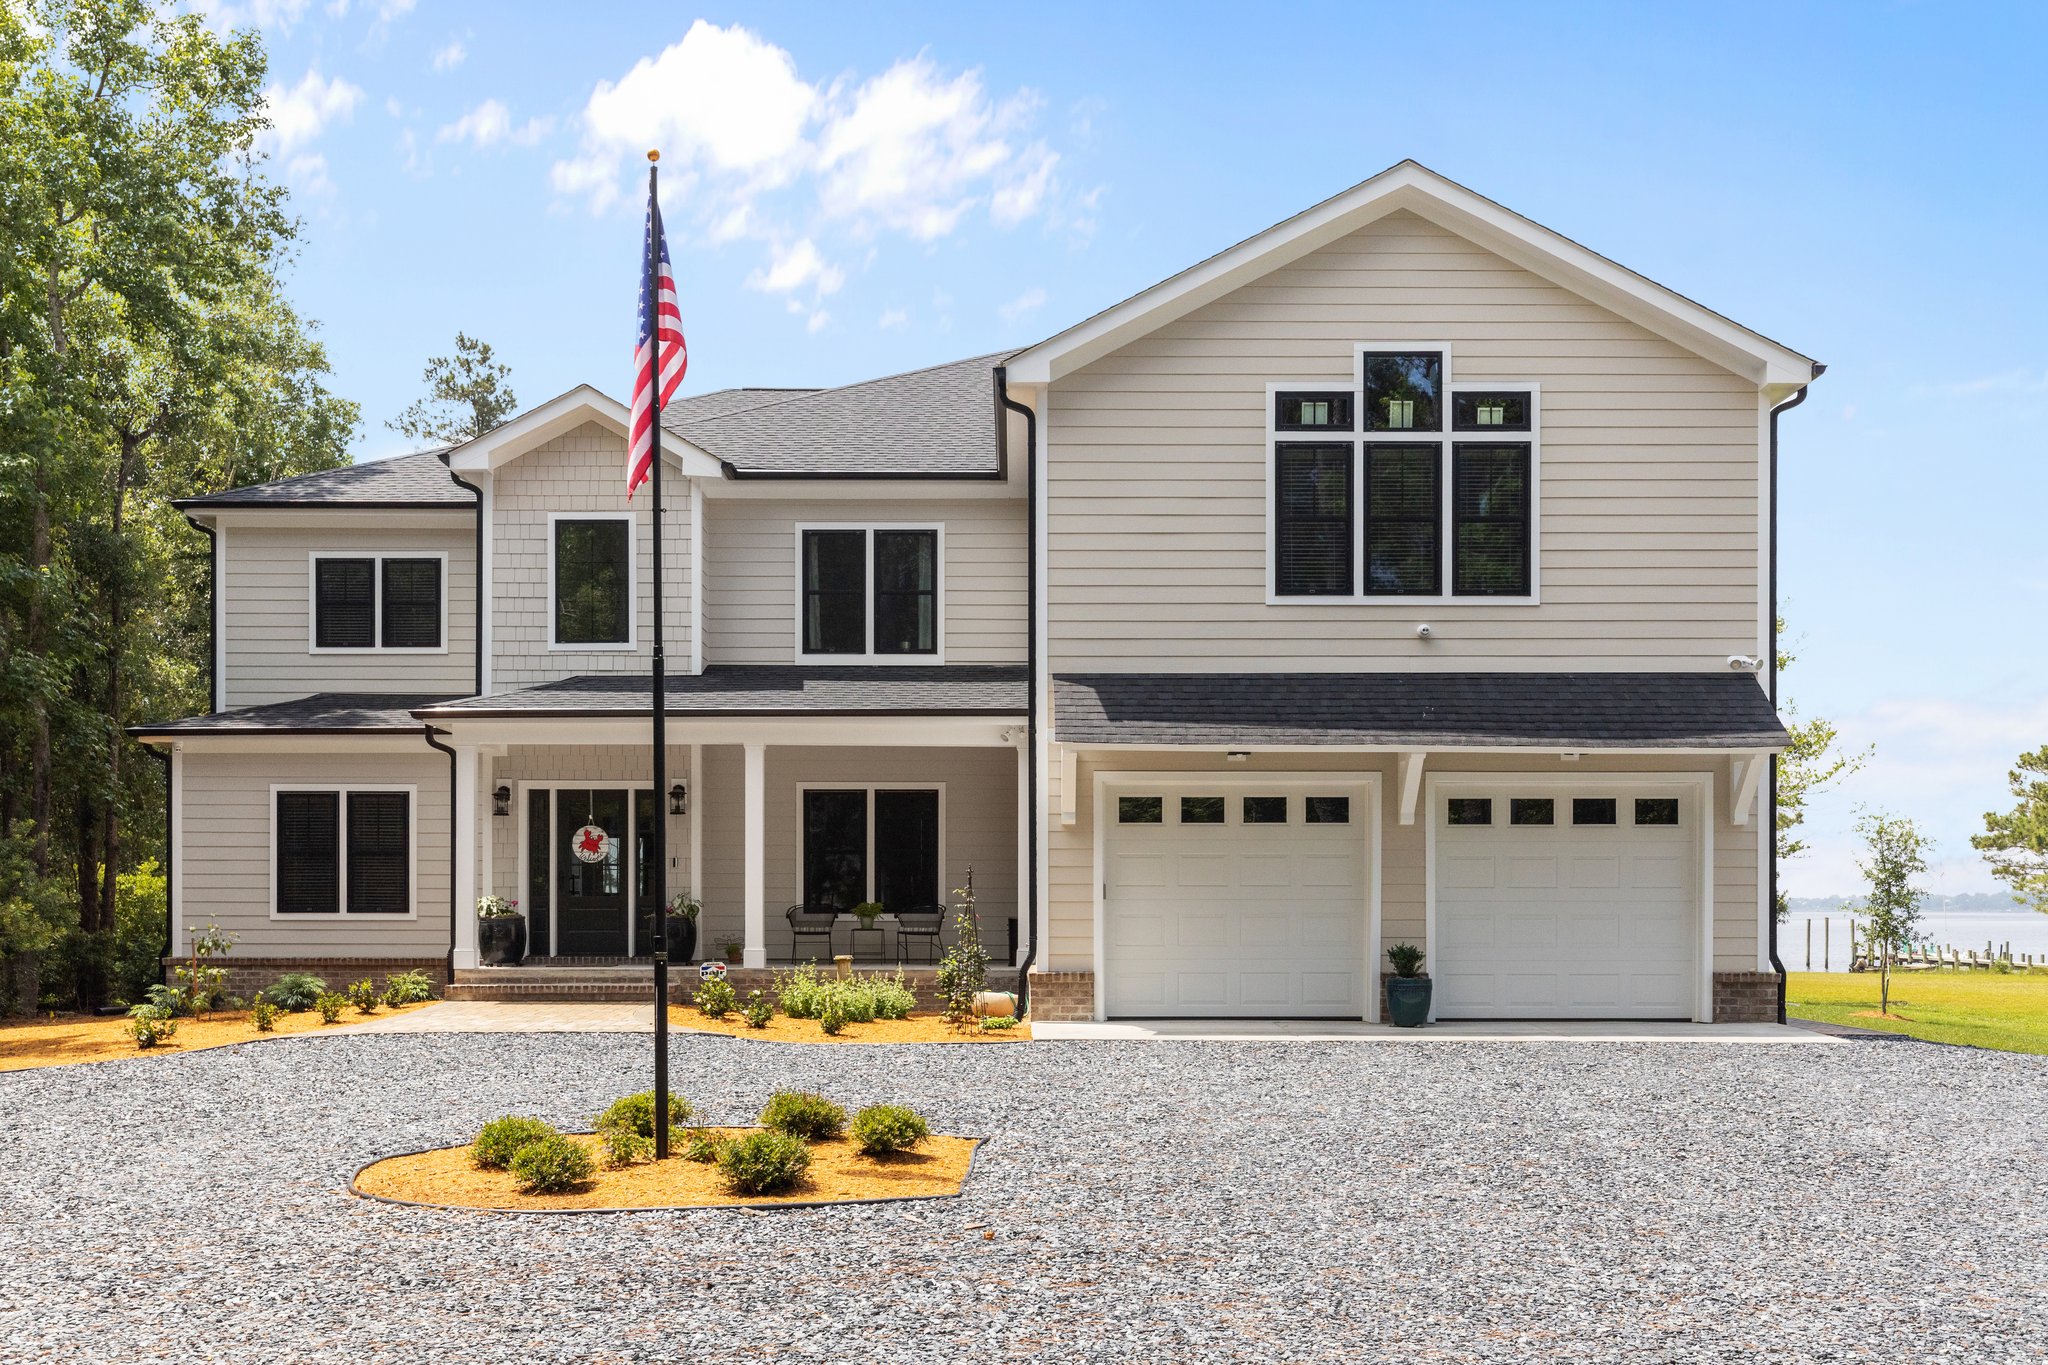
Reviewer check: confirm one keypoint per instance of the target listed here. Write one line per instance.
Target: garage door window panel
(1593, 810)
(1470, 810)
(1140, 810)
(1327, 810)
(1265, 810)
(1532, 810)
(1656, 810)
(1201, 810)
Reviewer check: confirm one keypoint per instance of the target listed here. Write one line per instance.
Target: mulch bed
(73, 1038)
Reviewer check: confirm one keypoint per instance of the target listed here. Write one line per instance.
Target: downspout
(1030, 909)
(476, 575)
(454, 911)
(1777, 965)
(170, 867)
(212, 619)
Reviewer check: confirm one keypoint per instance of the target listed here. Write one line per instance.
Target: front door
(593, 849)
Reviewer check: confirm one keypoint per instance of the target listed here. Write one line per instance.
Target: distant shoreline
(1971, 903)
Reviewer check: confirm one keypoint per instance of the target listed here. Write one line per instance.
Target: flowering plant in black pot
(1408, 991)
(500, 932)
(683, 909)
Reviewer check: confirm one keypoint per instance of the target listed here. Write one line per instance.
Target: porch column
(697, 826)
(462, 896)
(756, 843)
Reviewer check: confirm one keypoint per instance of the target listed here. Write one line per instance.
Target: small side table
(855, 934)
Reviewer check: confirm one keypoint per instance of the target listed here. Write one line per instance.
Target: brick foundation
(247, 975)
(1062, 997)
(1745, 997)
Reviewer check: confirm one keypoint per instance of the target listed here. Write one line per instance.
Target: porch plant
(1408, 991)
(683, 909)
(732, 948)
(866, 912)
(500, 932)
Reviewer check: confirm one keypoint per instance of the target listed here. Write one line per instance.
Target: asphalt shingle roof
(770, 689)
(323, 713)
(402, 479)
(940, 420)
(1569, 710)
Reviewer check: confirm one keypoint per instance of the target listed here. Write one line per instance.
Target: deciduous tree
(1894, 853)
(1811, 762)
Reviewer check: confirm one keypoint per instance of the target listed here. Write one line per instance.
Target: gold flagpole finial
(654, 155)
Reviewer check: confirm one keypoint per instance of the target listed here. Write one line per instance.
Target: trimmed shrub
(804, 994)
(701, 1144)
(801, 993)
(624, 1147)
(363, 995)
(764, 1163)
(759, 1010)
(716, 998)
(802, 1114)
(999, 1021)
(150, 1025)
(894, 998)
(498, 1141)
(552, 1165)
(330, 1006)
(635, 1114)
(833, 1017)
(408, 988)
(174, 1001)
(885, 1129)
(295, 992)
(263, 1013)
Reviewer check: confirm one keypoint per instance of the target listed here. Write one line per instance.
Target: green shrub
(263, 1013)
(885, 1129)
(408, 988)
(963, 969)
(151, 1024)
(894, 998)
(139, 918)
(999, 1021)
(363, 995)
(295, 992)
(552, 1165)
(801, 992)
(803, 1114)
(498, 1141)
(764, 1163)
(833, 1017)
(716, 998)
(701, 1144)
(330, 1006)
(804, 993)
(635, 1114)
(759, 1010)
(624, 1147)
(174, 1001)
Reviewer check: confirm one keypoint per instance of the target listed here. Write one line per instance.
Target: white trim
(342, 791)
(487, 618)
(939, 873)
(220, 616)
(180, 934)
(1024, 761)
(695, 492)
(1041, 684)
(868, 529)
(1070, 782)
(754, 858)
(1446, 438)
(1549, 750)
(1698, 785)
(377, 558)
(632, 640)
(563, 414)
(696, 818)
(1745, 775)
(1411, 770)
(1108, 780)
(1411, 186)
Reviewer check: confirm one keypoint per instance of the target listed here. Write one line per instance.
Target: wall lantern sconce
(678, 800)
(501, 801)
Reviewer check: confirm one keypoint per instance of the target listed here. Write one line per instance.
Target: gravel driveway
(1162, 1202)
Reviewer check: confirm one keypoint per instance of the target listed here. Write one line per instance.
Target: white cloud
(298, 114)
(276, 15)
(491, 123)
(912, 150)
(893, 320)
(817, 322)
(795, 266)
(416, 162)
(1030, 301)
(451, 56)
(307, 173)
(1022, 188)
(394, 107)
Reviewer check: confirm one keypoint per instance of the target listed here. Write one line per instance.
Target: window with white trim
(391, 602)
(591, 563)
(342, 851)
(868, 593)
(876, 844)
(1406, 486)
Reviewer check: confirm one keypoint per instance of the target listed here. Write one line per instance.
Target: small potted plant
(500, 932)
(732, 948)
(866, 913)
(1408, 991)
(683, 909)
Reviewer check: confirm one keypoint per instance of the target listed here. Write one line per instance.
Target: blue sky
(853, 190)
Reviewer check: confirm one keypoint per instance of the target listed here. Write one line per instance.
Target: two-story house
(1401, 574)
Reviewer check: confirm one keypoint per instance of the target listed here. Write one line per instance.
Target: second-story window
(868, 592)
(377, 602)
(593, 581)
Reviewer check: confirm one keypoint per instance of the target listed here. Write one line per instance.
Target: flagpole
(659, 701)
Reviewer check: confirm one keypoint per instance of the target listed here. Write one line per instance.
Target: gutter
(212, 608)
(454, 911)
(476, 573)
(1033, 701)
(1777, 964)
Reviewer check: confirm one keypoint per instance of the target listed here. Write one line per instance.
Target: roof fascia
(559, 416)
(308, 514)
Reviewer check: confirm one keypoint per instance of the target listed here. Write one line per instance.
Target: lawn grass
(1981, 1009)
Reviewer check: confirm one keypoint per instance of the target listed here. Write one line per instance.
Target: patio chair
(804, 922)
(919, 926)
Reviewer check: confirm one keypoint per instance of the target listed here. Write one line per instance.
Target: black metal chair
(804, 922)
(919, 926)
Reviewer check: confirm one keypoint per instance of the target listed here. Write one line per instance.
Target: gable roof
(1419, 190)
(937, 422)
(418, 480)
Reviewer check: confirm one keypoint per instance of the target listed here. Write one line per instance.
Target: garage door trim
(1698, 785)
(1365, 784)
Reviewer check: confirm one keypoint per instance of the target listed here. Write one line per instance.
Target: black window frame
(626, 573)
(1435, 523)
(323, 855)
(872, 856)
(878, 593)
(430, 611)
(332, 611)
(1287, 525)
(871, 599)
(1371, 391)
(1462, 523)
(373, 605)
(1340, 401)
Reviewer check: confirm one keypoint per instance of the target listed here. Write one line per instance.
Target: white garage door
(1555, 904)
(1226, 899)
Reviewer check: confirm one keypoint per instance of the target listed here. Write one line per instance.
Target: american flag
(661, 324)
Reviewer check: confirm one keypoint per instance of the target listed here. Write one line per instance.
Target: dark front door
(590, 896)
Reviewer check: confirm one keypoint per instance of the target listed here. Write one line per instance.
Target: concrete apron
(1461, 1031)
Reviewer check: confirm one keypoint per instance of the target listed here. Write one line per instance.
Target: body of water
(2025, 930)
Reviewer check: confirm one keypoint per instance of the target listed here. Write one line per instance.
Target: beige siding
(751, 590)
(1071, 852)
(225, 832)
(1157, 476)
(267, 596)
(580, 472)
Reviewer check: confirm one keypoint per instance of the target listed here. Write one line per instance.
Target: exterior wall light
(678, 800)
(501, 801)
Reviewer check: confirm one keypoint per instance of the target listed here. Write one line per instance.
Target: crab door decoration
(590, 844)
